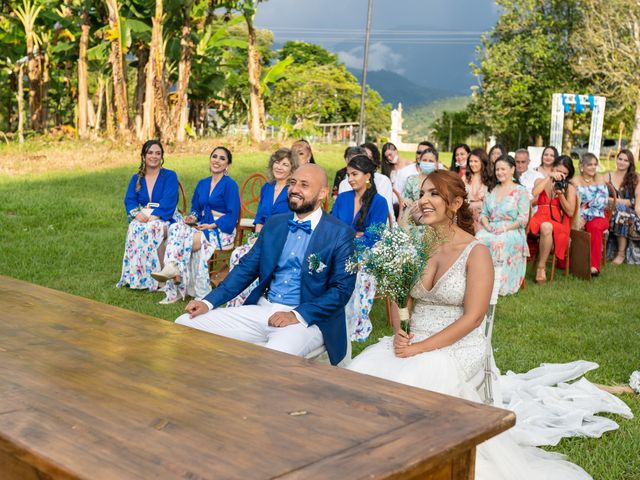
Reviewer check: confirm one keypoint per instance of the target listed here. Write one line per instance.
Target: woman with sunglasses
(215, 209)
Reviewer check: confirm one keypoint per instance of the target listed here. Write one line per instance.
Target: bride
(446, 347)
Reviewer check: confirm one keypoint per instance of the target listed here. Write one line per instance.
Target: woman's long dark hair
(630, 180)
(486, 172)
(363, 164)
(454, 167)
(142, 169)
(386, 167)
(497, 146)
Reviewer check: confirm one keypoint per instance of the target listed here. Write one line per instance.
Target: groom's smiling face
(307, 188)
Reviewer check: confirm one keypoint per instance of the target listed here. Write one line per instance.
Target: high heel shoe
(169, 272)
(540, 279)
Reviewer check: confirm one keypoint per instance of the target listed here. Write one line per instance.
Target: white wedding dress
(545, 413)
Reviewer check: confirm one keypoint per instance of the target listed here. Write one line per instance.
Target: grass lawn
(65, 230)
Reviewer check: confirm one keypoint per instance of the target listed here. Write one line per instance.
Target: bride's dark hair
(449, 185)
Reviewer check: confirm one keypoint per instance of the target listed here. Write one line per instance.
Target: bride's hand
(409, 350)
(402, 338)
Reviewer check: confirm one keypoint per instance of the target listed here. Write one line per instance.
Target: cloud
(381, 57)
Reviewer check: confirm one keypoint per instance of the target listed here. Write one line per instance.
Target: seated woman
(341, 174)
(552, 220)
(274, 199)
(150, 202)
(446, 348)
(215, 209)
(479, 181)
(391, 162)
(302, 152)
(495, 152)
(459, 159)
(361, 208)
(593, 195)
(549, 156)
(624, 237)
(428, 162)
(504, 217)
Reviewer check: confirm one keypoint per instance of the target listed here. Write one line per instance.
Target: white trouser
(249, 323)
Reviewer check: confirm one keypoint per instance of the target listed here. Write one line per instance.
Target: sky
(431, 42)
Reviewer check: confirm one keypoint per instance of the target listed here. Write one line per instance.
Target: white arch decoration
(562, 103)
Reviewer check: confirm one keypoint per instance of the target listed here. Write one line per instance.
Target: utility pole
(364, 73)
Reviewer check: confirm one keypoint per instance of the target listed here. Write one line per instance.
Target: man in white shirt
(527, 177)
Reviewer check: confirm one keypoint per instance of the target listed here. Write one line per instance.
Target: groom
(299, 261)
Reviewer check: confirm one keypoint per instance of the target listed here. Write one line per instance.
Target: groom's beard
(304, 206)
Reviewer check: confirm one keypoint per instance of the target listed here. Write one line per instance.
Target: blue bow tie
(304, 226)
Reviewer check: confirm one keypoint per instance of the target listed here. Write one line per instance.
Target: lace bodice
(439, 307)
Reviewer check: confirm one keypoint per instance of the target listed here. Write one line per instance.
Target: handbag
(580, 265)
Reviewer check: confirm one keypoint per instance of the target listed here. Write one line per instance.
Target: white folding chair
(484, 378)
(320, 355)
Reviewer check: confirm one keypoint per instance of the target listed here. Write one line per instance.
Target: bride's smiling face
(431, 206)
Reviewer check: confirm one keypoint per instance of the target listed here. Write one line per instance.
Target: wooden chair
(483, 380)
(552, 254)
(184, 199)
(221, 259)
(608, 212)
(249, 199)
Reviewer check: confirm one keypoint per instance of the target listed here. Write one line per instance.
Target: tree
(609, 55)
(312, 93)
(303, 52)
(118, 68)
(522, 62)
(28, 14)
(83, 74)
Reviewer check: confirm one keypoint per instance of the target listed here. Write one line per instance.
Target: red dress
(551, 211)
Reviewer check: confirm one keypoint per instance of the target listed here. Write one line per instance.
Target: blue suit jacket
(323, 295)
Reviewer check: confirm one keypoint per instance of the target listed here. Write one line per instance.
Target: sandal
(541, 278)
(619, 260)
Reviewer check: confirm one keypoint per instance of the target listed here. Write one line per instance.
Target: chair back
(250, 194)
(611, 207)
(483, 380)
(184, 198)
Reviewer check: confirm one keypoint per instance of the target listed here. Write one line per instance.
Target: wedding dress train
(545, 412)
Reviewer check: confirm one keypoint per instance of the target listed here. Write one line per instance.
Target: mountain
(396, 88)
(418, 119)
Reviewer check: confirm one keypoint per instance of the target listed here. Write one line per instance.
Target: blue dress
(143, 238)
(225, 199)
(378, 213)
(266, 205)
(360, 303)
(165, 192)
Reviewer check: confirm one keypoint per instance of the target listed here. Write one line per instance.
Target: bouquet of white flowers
(396, 261)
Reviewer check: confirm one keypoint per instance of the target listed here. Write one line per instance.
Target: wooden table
(91, 391)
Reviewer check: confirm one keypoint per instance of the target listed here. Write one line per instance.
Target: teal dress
(509, 248)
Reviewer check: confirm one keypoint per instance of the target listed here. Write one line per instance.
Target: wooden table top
(92, 391)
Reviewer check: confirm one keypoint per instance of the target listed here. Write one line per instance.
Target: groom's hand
(195, 308)
(282, 319)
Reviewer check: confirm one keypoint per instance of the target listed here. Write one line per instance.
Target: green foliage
(453, 128)
(522, 62)
(419, 120)
(325, 93)
(303, 52)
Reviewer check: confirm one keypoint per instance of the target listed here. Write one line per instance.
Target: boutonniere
(315, 263)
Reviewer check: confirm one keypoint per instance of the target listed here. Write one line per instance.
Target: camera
(560, 185)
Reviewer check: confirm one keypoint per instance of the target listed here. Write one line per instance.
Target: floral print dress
(509, 248)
